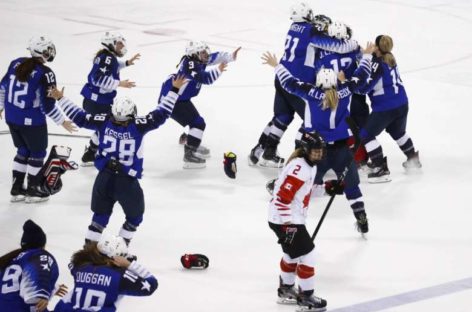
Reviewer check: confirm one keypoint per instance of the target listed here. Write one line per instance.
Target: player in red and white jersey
(287, 215)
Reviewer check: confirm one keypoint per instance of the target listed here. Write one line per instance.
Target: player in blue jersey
(389, 104)
(102, 276)
(102, 82)
(28, 275)
(23, 95)
(306, 34)
(119, 157)
(327, 109)
(193, 66)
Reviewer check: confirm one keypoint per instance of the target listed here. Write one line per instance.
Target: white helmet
(112, 246)
(326, 78)
(110, 39)
(123, 109)
(301, 12)
(338, 30)
(42, 47)
(194, 48)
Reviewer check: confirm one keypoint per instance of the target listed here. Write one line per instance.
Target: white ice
(420, 225)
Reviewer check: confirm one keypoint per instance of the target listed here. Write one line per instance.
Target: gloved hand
(334, 187)
(229, 163)
(290, 231)
(198, 261)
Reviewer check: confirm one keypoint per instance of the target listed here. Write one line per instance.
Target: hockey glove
(230, 164)
(289, 234)
(334, 187)
(194, 261)
(270, 186)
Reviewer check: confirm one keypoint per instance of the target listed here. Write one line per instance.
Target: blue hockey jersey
(122, 143)
(197, 74)
(26, 103)
(31, 276)
(301, 46)
(386, 89)
(330, 124)
(99, 288)
(338, 62)
(103, 79)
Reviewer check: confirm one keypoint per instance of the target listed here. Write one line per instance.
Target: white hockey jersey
(292, 193)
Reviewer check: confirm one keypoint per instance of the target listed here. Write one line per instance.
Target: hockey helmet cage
(43, 47)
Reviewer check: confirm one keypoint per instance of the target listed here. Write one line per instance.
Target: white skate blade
(190, 165)
(307, 309)
(269, 164)
(32, 200)
(383, 179)
(17, 198)
(204, 156)
(287, 301)
(86, 164)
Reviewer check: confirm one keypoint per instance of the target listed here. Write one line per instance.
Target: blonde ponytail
(331, 99)
(385, 45)
(299, 152)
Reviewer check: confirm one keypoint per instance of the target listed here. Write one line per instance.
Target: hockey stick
(355, 132)
(57, 134)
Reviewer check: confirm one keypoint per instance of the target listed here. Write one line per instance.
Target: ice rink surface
(420, 224)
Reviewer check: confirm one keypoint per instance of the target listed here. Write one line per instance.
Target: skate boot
(202, 152)
(34, 194)
(287, 294)
(255, 154)
(191, 160)
(270, 159)
(379, 174)
(307, 301)
(17, 192)
(89, 156)
(413, 161)
(183, 139)
(362, 223)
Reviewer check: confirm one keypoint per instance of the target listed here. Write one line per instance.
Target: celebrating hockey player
(102, 82)
(326, 113)
(194, 66)
(28, 275)
(306, 34)
(119, 159)
(23, 95)
(389, 104)
(102, 276)
(287, 216)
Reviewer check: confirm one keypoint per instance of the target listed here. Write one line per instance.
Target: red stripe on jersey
(288, 189)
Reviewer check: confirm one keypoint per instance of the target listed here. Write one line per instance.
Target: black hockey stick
(357, 143)
(57, 134)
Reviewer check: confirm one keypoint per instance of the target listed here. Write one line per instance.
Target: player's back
(23, 98)
(299, 55)
(338, 62)
(31, 275)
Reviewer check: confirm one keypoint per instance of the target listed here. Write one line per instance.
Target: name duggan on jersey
(118, 135)
(92, 278)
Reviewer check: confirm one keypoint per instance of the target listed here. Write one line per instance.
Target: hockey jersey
(100, 288)
(197, 74)
(338, 62)
(292, 192)
(301, 45)
(118, 142)
(330, 124)
(30, 277)
(386, 89)
(26, 103)
(103, 79)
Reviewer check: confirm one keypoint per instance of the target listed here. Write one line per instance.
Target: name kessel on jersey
(118, 135)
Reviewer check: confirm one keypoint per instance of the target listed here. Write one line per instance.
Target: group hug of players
(323, 76)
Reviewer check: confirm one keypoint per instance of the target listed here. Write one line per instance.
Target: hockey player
(28, 275)
(102, 82)
(102, 276)
(305, 36)
(327, 110)
(287, 215)
(194, 66)
(23, 96)
(119, 156)
(389, 104)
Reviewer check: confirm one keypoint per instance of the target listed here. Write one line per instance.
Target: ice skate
(17, 192)
(287, 294)
(202, 152)
(413, 162)
(35, 195)
(255, 154)
(191, 160)
(379, 174)
(270, 159)
(362, 224)
(88, 157)
(307, 301)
